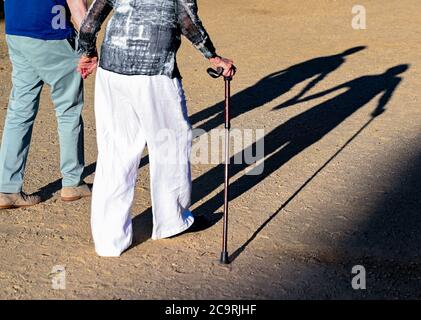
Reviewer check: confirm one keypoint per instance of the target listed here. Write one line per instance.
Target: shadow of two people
(359, 92)
(298, 133)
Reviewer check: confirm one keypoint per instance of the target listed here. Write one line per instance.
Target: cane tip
(224, 258)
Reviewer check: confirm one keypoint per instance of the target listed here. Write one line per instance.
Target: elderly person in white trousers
(139, 100)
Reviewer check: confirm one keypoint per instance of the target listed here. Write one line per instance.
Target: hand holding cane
(216, 74)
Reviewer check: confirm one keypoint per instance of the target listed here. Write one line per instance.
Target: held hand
(226, 64)
(87, 65)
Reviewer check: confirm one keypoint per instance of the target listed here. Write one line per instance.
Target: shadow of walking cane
(298, 191)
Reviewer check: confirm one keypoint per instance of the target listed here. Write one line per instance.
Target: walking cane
(216, 74)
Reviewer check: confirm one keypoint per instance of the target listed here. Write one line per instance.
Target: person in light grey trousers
(42, 47)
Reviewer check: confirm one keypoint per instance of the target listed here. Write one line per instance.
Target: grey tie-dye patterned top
(143, 36)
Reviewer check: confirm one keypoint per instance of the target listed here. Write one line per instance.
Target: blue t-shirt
(40, 19)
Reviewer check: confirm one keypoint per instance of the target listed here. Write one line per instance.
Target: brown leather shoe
(75, 193)
(18, 200)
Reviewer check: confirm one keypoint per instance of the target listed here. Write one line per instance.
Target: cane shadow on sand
(300, 132)
(273, 86)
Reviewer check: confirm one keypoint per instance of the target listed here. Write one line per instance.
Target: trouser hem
(71, 185)
(174, 231)
(10, 189)
(114, 253)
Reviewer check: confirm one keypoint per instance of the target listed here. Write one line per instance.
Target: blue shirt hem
(29, 34)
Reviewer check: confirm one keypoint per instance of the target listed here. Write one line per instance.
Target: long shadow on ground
(264, 91)
(300, 132)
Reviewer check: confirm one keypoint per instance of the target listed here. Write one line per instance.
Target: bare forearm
(78, 10)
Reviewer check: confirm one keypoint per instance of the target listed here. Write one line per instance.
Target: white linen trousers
(132, 111)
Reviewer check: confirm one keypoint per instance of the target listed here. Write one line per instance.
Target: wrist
(90, 54)
(215, 59)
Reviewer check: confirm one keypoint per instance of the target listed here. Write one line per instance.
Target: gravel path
(340, 188)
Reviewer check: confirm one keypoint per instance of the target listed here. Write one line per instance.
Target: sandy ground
(340, 188)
